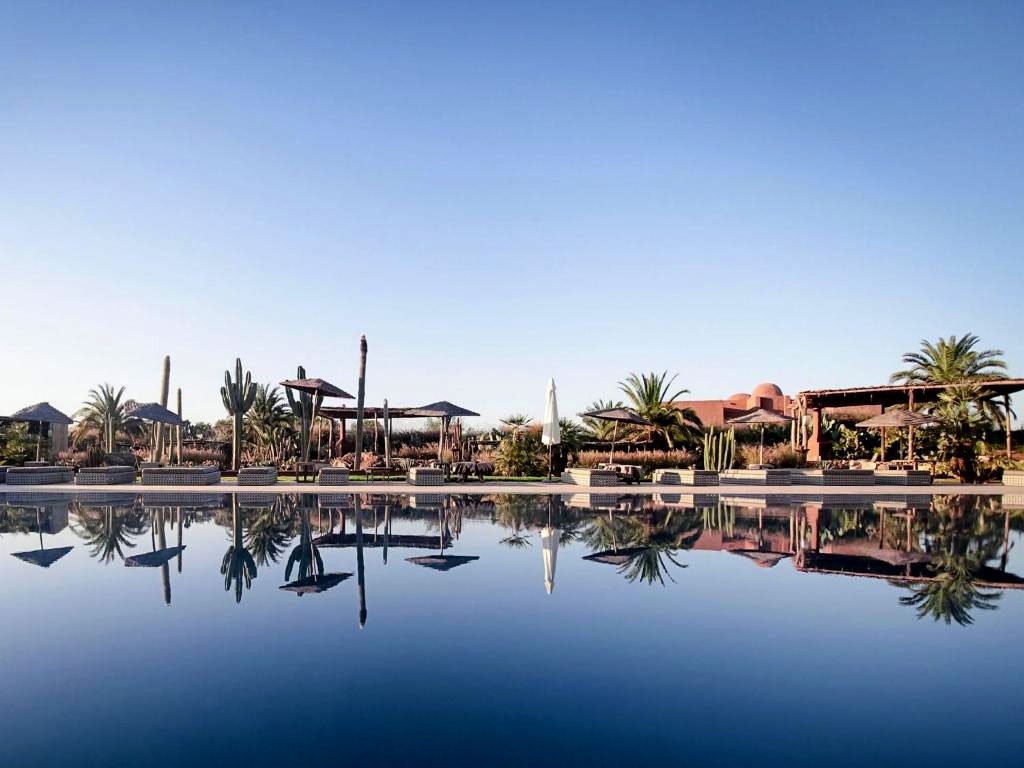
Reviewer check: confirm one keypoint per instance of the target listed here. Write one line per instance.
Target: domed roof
(767, 389)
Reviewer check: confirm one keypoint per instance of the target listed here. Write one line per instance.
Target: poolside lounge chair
(1013, 477)
(333, 476)
(903, 477)
(426, 476)
(105, 476)
(754, 477)
(805, 476)
(39, 475)
(180, 476)
(257, 476)
(685, 477)
(592, 477)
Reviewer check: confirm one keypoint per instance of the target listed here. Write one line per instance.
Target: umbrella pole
(760, 450)
(615, 433)
(551, 448)
(39, 444)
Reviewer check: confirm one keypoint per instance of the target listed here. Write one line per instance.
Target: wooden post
(910, 431)
(1009, 427)
(360, 402)
(387, 436)
(330, 438)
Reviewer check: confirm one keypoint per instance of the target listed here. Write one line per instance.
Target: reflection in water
(238, 565)
(948, 555)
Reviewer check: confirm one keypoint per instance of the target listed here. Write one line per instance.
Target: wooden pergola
(814, 401)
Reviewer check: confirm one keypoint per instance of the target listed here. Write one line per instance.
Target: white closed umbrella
(549, 547)
(551, 434)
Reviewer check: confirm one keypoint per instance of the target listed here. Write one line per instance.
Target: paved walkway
(495, 487)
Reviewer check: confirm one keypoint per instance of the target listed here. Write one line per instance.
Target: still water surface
(328, 630)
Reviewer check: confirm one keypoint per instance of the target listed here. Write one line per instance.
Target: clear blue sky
(737, 192)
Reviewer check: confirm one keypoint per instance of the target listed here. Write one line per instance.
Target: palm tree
(949, 361)
(105, 414)
(269, 424)
(650, 396)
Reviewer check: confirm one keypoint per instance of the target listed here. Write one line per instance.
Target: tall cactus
(158, 428)
(304, 406)
(177, 430)
(238, 396)
(719, 449)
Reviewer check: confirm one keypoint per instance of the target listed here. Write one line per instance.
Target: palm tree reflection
(108, 530)
(643, 548)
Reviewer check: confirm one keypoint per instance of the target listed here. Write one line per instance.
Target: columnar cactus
(304, 405)
(719, 449)
(158, 429)
(238, 396)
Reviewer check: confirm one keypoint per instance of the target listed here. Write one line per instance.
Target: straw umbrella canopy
(444, 411)
(761, 416)
(623, 415)
(319, 389)
(157, 414)
(41, 412)
(896, 418)
(551, 432)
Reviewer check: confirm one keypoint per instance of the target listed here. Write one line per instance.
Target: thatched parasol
(761, 416)
(153, 559)
(41, 412)
(444, 411)
(156, 413)
(896, 418)
(617, 415)
(319, 389)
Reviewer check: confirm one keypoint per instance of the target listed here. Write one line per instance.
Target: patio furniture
(628, 473)
(831, 477)
(754, 477)
(902, 477)
(426, 476)
(39, 475)
(306, 471)
(257, 476)
(180, 476)
(463, 470)
(105, 476)
(592, 477)
(384, 473)
(1013, 477)
(685, 477)
(333, 476)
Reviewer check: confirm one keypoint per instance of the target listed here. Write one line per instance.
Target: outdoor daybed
(257, 476)
(39, 475)
(105, 476)
(754, 477)
(180, 476)
(685, 477)
(903, 477)
(592, 477)
(426, 476)
(831, 477)
(332, 476)
(1013, 477)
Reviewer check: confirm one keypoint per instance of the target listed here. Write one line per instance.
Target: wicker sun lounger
(685, 477)
(332, 476)
(39, 475)
(592, 477)
(257, 476)
(426, 476)
(105, 476)
(180, 476)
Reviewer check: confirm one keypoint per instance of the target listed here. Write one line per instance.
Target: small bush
(783, 456)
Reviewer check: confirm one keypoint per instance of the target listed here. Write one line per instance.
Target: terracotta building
(715, 413)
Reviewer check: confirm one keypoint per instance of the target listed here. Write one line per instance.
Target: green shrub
(522, 456)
